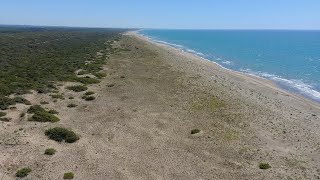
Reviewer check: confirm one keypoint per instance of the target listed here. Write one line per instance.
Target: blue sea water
(289, 58)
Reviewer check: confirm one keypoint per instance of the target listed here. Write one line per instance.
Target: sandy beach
(139, 126)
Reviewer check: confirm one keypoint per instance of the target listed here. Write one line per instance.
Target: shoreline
(160, 113)
(267, 82)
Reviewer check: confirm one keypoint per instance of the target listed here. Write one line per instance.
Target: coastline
(263, 81)
(160, 113)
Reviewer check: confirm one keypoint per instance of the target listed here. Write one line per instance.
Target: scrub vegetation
(34, 58)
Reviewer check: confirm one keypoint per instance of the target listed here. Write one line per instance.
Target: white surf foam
(289, 84)
(226, 62)
(294, 85)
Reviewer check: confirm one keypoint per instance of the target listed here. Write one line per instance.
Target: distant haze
(169, 14)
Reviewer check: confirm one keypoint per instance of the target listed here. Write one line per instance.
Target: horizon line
(100, 27)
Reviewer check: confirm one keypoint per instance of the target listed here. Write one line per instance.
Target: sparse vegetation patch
(50, 151)
(100, 75)
(68, 175)
(264, 166)
(44, 102)
(2, 114)
(82, 72)
(59, 134)
(44, 117)
(57, 96)
(90, 98)
(5, 119)
(195, 131)
(5, 102)
(72, 105)
(23, 172)
(88, 93)
(77, 88)
(52, 111)
(86, 80)
(35, 108)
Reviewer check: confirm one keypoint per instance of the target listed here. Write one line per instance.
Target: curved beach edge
(249, 77)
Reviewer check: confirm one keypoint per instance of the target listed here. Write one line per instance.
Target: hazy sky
(182, 14)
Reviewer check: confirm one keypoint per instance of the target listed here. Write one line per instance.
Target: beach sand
(139, 126)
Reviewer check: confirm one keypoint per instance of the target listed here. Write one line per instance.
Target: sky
(166, 14)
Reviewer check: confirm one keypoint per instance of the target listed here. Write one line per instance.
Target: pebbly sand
(139, 127)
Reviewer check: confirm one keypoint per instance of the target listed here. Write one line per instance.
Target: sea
(290, 58)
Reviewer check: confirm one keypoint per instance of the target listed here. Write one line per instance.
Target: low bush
(88, 93)
(2, 114)
(264, 166)
(23, 172)
(90, 98)
(52, 111)
(5, 119)
(44, 117)
(71, 97)
(68, 175)
(35, 109)
(5, 102)
(44, 102)
(82, 72)
(21, 100)
(86, 80)
(22, 114)
(50, 151)
(59, 134)
(72, 105)
(77, 88)
(195, 131)
(100, 75)
(57, 96)
(43, 90)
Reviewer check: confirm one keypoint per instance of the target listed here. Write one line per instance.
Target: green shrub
(2, 114)
(35, 109)
(59, 134)
(5, 119)
(27, 64)
(264, 166)
(88, 93)
(72, 105)
(195, 131)
(43, 90)
(77, 88)
(110, 85)
(52, 111)
(5, 102)
(22, 114)
(21, 100)
(100, 75)
(50, 151)
(57, 96)
(23, 172)
(82, 72)
(44, 117)
(86, 80)
(68, 175)
(90, 98)
(71, 97)
(44, 102)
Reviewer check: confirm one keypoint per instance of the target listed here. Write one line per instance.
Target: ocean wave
(178, 46)
(195, 52)
(227, 62)
(294, 85)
